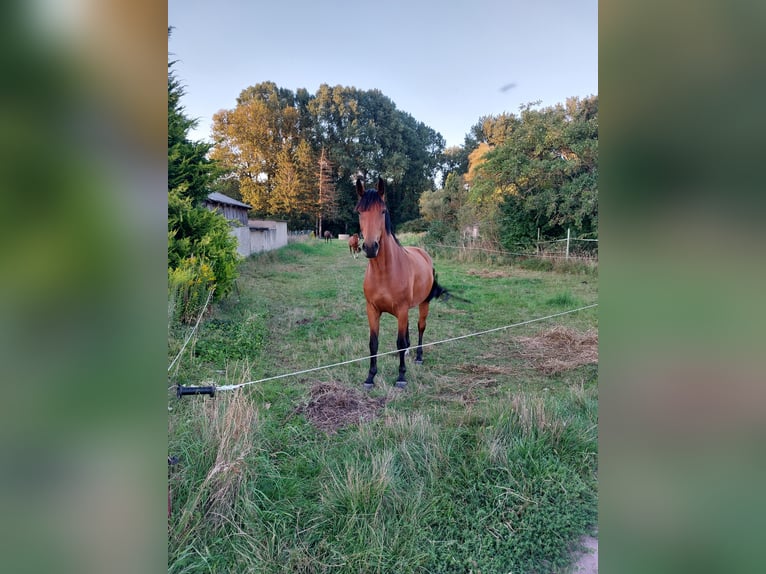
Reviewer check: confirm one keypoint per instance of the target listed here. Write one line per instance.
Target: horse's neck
(390, 254)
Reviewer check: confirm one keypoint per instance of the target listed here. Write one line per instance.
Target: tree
(188, 164)
(292, 196)
(361, 131)
(543, 175)
(243, 145)
(202, 254)
(327, 204)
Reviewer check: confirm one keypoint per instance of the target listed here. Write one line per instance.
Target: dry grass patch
(489, 274)
(466, 389)
(332, 406)
(560, 349)
(233, 426)
(230, 425)
(473, 369)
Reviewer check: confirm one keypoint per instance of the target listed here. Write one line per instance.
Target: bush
(201, 253)
(440, 232)
(418, 225)
(518, 227)
(188, 287)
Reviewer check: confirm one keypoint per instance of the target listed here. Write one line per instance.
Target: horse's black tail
(437, 291)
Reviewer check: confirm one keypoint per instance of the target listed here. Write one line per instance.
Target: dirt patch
(560, 349)
(332, 406)
(586, 561)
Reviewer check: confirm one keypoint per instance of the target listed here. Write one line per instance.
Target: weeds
(226, 339)
(564, 300)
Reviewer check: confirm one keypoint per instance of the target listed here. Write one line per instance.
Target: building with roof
(253, 235)
(229, 207)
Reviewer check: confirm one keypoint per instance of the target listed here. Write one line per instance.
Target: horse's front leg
(373, 317)
(402, 344)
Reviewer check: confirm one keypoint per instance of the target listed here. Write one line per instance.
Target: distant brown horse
(327, 236)
(353, 245)
(396, 280)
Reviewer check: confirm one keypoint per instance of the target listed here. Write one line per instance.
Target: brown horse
(396, 280)
(353, 245)
(327, 236)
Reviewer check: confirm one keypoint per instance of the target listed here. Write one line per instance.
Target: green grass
(482, 464)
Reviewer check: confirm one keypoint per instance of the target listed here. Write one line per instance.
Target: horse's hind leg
(402, 343)
(422, 315)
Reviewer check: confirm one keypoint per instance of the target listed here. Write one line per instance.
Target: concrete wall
(266, 235)
(260, 235)
(242, 235)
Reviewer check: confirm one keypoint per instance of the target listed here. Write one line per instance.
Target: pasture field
(487, 462)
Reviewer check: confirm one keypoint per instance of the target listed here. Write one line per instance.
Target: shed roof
(225, 199)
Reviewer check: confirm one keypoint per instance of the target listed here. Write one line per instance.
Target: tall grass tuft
(224, 440)
(565, 300)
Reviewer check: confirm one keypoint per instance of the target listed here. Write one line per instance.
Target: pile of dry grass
(560, 349)
(332, 406)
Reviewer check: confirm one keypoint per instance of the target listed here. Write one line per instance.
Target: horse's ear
(381, 188)
(359, 187)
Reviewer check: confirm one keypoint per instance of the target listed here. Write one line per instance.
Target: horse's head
(373, 217)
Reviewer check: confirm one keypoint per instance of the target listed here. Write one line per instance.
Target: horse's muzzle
(371, 251)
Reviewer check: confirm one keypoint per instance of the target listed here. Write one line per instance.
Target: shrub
(201, 254)
(188, 287)
(440, 232)
(418, 225)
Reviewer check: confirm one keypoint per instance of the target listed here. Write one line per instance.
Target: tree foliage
(327, 204)
(536, 171)
(514, 175)
(188, 165)
(273, 140)
(202, 254)
(445, 209)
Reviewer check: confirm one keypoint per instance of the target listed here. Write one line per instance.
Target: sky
(447, 64)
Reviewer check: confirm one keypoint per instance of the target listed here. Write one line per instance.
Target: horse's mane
(371, 198)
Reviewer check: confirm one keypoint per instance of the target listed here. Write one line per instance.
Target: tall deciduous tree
(327, 203)
(543, 175)
(360, 131)
(292, 196)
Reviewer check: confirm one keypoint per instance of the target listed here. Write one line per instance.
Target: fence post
(567, 243)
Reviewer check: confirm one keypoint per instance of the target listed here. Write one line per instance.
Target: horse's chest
(387, 297)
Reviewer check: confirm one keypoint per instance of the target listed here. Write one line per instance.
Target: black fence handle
(181, 391)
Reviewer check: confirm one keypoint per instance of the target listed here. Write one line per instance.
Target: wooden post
(538, 241)
(567, 243)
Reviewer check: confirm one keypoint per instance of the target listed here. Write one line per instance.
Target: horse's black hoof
(400, 384)
(368, 386)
